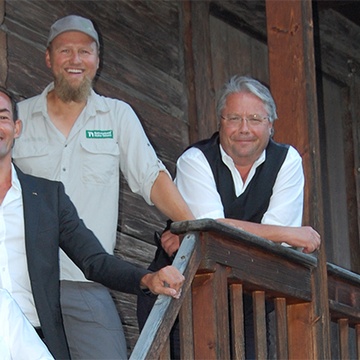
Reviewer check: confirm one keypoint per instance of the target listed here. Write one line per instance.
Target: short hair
(246, 84)
(12, 101)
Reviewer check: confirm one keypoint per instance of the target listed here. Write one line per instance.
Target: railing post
(237, 323)
(281, 328)
(260, 324)
(357, 334)
(210, 314)
(344, 338)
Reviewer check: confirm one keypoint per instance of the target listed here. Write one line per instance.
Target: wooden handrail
(221, 263)
(158, 325)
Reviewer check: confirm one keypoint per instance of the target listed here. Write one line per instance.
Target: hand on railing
(166, 281)
(301, 236)
(170, 242)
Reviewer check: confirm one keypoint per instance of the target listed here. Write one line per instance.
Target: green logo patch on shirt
(99, 134)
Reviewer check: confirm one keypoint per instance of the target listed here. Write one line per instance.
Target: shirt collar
(94, 104)
(15, 182)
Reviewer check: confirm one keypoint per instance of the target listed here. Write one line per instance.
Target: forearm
(269, 232)
(166, 197)
(304, 236)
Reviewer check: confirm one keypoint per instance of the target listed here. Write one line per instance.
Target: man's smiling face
(74, 59)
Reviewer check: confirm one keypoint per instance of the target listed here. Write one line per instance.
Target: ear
(47, 58)
(18, 128)
(98, 63)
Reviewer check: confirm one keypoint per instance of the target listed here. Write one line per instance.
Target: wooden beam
(203, 75)
(344, 338)
(237, 321)
(3, 47)
(281, 328)
(211, 315)
(260, 324)
(293, 85)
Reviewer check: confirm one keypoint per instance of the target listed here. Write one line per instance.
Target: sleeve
(286, 202)
(138, 160)
(196, 184)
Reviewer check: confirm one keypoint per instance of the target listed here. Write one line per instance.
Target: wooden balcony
(221, 263)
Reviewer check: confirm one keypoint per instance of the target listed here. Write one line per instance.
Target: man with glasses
(241, 177)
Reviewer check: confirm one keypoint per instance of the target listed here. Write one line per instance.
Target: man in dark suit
(37, 219)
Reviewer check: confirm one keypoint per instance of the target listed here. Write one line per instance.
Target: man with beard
(73, 135)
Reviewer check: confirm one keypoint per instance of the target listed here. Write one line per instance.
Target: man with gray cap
(82, 139)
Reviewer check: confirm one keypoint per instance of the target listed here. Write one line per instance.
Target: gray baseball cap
(73, 23)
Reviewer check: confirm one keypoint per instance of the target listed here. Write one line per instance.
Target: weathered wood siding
(339, 121)
(167, 59)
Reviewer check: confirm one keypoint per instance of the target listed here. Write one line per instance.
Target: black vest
(253, 203)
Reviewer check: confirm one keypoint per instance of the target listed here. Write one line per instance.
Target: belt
(39, 332)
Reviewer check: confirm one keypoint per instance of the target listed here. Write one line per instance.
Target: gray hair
(238, 84)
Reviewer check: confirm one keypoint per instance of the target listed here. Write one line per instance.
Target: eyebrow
(5, 110)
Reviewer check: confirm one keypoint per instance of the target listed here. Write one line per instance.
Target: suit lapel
(31, 203)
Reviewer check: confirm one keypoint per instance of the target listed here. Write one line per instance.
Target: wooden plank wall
(339, 51)
(167, 59)
(3, 60)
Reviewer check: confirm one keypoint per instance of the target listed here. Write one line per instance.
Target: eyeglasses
(252, 120)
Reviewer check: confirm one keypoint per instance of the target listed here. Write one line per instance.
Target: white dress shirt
(14, 275)
(196, 184)
(18, 339)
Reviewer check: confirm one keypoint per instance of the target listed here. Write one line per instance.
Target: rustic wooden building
(168, 58)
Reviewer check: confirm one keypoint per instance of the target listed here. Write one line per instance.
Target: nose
(243, 126)
(75, 57)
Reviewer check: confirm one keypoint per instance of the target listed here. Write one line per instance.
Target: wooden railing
(221, 263)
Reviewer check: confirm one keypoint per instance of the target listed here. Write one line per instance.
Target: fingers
(313, 242)
(172, 292)
(166, 281)
(171, 277)
(172, 281)
(170, 242)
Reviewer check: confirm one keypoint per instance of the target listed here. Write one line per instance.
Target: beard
(67, 92)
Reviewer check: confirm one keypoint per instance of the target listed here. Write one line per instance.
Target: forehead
(73, 38)
(5, 103)
(244, 102)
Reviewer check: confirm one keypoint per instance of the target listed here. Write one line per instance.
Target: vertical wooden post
(301, 334)
(343, 325)
(206, 121)
(293, 85)
(281, 328)
(210, 315)
(237, 323)
(357, 339)
(260, 324)
(3, 47)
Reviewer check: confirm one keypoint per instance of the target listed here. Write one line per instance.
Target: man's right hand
(170, 242)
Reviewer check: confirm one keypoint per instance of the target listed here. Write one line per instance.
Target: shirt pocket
(100, 161)
(34, 159)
